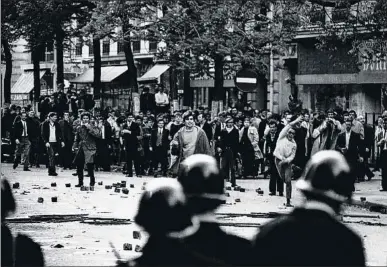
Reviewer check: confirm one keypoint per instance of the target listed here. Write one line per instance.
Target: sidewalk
(105, 203)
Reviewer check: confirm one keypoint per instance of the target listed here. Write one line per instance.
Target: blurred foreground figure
(163, 213)
(19, 251)
(320, 237)
(204, 186)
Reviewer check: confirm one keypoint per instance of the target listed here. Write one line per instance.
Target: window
(91, 48)
(152, 46)
(49, 52)
(340, 15)
(106, 47)
(120, 47)
(136, 47)
(78, 49)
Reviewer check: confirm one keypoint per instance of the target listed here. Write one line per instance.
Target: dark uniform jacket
(67, 131)
(207, 129)
(164, 139)
(229, 140)
(307, 237)
(355, 147)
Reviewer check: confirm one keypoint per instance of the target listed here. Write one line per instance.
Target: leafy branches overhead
(239, 32)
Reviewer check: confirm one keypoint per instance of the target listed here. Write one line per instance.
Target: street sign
(246, 80)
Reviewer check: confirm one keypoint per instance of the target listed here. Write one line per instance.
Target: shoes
(78, 185)
(38, 166)
(155, 175)
(26, 170)
(53, 174)
(87, 175)
(139, 176)
(271, 194)
(75, 174)
(383, 190)
(281, 194)
(129, 175)
(289, 205)
(15, 164)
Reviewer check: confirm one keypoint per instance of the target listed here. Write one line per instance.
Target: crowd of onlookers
(245, 141)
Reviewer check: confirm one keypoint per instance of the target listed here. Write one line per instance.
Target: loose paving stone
(227, 194)
(40, 200)
(108, 187)
(68, 185)
(242, 190)
(123, 183)
(362, 199)
(228, 188)
(84, 188)
(58, 246)
(54, 199)
(138, 248)
(136, 235)
(128, 246)
(16, 186)
(117, 190)
(100, 183)
(68, 236)
(125, 191)
(131, 185)
(237, 200)
(223, 201)
(53, 184)
(91, 188)
(143, 188)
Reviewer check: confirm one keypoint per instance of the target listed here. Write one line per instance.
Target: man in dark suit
(381, 141)
(228, 146)
(131, 134)
(147, 101)
(159, 146)
(68, 138)
(369, 142)
(104, 144)
(322, 240)
(276, 183)
(202, 123)
(350, 145)
(35, 139)
(220, 125)
(52, 138)
(23, 131)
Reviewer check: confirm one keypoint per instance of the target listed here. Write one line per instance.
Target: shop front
(339, 80)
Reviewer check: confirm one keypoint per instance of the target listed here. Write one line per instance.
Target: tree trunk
(59, 39)
(8, 71)
(219, 93)
(97, 68)
(36, 52)
(130, 59)
(188, 92)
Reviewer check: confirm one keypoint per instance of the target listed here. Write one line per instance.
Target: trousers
(285, 172)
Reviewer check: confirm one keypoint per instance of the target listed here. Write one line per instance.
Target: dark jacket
(108, 133)
(67, 131)
(147, 102)
(208, 130)
(271, 143)
(369, 138)
(86, 141)
(229, 140)
(355, 148)
(18, 129)
(164, 140)
(130, 139)
(307, 238)
(46, 132)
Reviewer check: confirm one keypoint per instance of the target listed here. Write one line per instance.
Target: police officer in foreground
(21, 250)
(203, 185)
(163, 213)
(312, 234)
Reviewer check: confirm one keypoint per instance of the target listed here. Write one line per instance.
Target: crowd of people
(247, 143)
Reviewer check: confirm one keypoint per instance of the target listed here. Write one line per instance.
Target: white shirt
(161, 98)
(385, 138)
(160, 131)
(24, 133)
(347, 136)
(52, 138)
(103, 131)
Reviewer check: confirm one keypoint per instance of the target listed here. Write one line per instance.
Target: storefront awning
(25, 83)
(352, 78)
(108, 74)
(154, 73)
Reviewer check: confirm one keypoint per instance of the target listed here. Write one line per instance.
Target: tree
(210, 37)
(9, 34)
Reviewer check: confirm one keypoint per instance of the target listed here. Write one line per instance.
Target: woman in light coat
(249, 149)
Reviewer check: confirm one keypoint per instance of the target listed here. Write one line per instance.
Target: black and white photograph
(193, 133)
